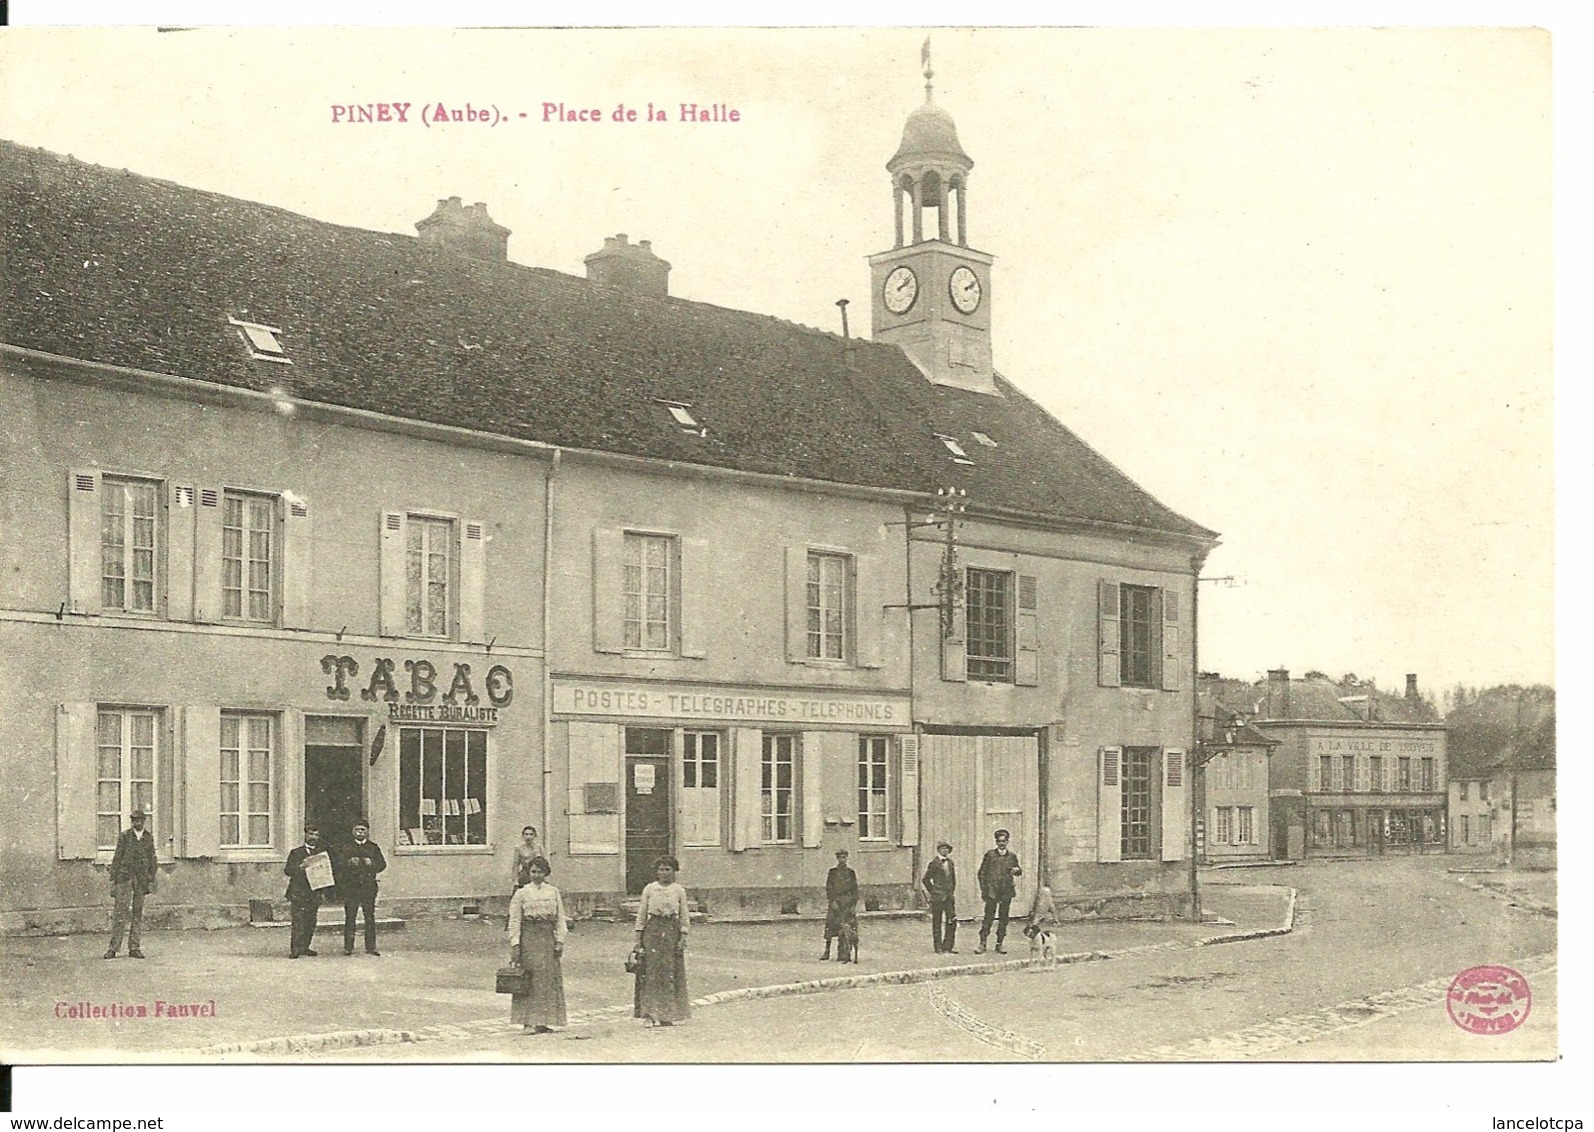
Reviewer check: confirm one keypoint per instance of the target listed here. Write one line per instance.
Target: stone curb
(1284, 928)
(1514, 899)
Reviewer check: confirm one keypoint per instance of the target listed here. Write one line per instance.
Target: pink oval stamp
(1489, 1000)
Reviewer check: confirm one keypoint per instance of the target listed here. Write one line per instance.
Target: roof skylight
(683, 416)
(959, 456)
(262, 341)
(983, 439)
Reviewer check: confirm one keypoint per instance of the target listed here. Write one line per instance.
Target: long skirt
(661, 984)
(545, 1005)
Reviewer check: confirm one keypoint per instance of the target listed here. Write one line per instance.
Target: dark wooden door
(334, 791)
(647, 817)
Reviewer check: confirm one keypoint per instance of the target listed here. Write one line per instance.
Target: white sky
(1296, 283)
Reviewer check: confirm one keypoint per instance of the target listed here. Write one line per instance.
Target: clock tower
(932, 293)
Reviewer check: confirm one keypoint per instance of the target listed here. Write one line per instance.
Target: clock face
(965, 289)
(901, 290)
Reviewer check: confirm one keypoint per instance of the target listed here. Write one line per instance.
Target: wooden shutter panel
(76, 780)
(202, 780)
(83, 540)
(181, 505)
(908, 787)
(796, 603)
(812, 775)
(473, 581)
(1172, 657)
(1175, 807)
(1026, 636)
(746, 802)
(1109, 805)
(207, 556)
(594, 757)
(869, 602)
(297, 562)
(697, 597)
(608, 590)
(1108, 672)
(954, 647)
(392, 583)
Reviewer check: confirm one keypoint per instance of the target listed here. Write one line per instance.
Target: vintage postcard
(835, 545)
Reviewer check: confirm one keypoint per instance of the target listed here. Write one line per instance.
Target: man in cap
(362, 859)
(841, 896)
(132, 878)
(997, 871)
(302, 899)
(940, 885)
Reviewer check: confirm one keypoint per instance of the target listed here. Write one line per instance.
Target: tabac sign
(424, 702)
(732, 705)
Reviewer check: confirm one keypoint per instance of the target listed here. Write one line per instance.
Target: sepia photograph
(794, 546)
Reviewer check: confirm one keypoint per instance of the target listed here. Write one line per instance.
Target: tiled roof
(1319, 698)
(108, 266)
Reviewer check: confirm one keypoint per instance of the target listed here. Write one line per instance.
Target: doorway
(648, 802)
(334, 776)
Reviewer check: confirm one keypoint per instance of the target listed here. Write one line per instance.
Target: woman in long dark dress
(537, 925)
(662, 920)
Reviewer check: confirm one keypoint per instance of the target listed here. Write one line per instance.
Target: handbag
(513, 980)
(635, 961)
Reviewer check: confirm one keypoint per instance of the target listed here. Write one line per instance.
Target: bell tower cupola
(931, 292)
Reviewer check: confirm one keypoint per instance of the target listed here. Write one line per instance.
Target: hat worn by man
(137, 815)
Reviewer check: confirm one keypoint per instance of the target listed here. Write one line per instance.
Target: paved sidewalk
(1530, 889)
(435, 979)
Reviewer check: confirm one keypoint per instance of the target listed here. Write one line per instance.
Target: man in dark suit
(303, 899)
(132, 878)
(997, 871)
(357, 868)
(940, 885)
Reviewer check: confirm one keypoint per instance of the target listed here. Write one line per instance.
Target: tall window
(1223, 825)
(1137, 807)
(1403, 769)
(428, 572)
(1483, 791)
(1466, 830)
(127, 743)
(827, 606)
(127, 545)
(1246, 833)
(872, 787)
(1325, 772)
(443, 786)
(1347, 772)
(990, 625)
(248, 531)
(246, 781)
(1428, 775)
(1464, 787)
(648, 585)
(778, 786)
(1136, 637)
(1375, 773)
(700, 787)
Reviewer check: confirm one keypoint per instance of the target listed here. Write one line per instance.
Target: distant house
(1231, 785)
(1522, 794)
(1502, 793)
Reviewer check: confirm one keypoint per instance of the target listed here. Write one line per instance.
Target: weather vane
(924, 59)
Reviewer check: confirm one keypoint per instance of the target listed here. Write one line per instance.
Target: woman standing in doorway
(525, 853)
(537, 925)
(662, 921)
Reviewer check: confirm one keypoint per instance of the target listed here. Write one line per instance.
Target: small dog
(847, 944)
(1042, 944)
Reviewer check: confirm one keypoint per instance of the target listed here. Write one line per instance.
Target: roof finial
(924, 59)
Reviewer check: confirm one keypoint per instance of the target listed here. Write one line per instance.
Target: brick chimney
(1411, 685)
(1278, 693)
(465, 230)
(633, 267)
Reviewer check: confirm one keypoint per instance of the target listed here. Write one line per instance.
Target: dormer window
(959, 456)
(983, 440)
(683, 417)
(262, 341)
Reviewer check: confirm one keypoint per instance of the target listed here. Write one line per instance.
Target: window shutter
(83, 540)
(868, 597)
(1108, 672)
(1175, 807)
(1361, 773)
(180, 508)
(1172, 662)
(76, 780)
(1026, 638)
(954, 648)
(207, 556)
(812, 758)
(594, 759)
(297, 564)
(392, 577)
(746, 805)
(1109, 806)
(608, 590)
(697, 597)
(202, 780)
(796, 603)
(908, 787)
(473, 581)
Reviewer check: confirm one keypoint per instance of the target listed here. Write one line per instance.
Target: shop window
(129, 555)
(1245, 831)
(1137, 808)
(1223, 825)
(827, 604)
(649, 592)
(701, 768)
(248, 557)
(989, 596)
(873, 788)
(127, 750)
(778, 787)
(247, 781)
(443, 786)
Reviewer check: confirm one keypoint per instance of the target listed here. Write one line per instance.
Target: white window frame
(707, 801)
(1222, 825)
(246, 589)
(778, 802)
(243, 780)
(1245, 825)
(829, 603)
(128, 796)
(874, 805)
(126, 551)
(418, 583)
(469, 819)
(638, 584)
